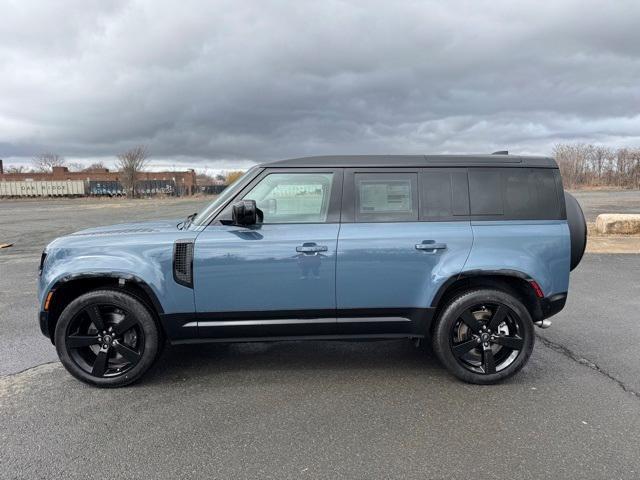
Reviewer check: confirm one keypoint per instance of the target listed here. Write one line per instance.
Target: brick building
(185, 181)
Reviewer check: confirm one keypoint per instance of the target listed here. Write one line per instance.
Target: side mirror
(245, 212)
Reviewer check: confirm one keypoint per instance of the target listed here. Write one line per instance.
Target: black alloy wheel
(486, 339)
(484, 336)
(107, 338)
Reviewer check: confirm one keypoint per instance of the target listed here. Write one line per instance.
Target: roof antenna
(501, 152)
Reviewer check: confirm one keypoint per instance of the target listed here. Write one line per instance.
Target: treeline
(585, 165)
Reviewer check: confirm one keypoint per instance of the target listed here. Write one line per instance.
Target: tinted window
(445, 194)
(386, 197)
(530, 193)
(514, 193)
(293, 197)
(485, 192)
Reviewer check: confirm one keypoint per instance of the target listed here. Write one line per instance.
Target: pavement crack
(588, 363)
(26, 370)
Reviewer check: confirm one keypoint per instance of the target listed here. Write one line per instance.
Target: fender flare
(477, 273)
(127, 277)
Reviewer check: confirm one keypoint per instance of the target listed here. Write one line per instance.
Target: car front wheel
(107, 338)
(484, 336)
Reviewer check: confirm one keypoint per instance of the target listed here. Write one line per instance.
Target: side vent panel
(183, 262)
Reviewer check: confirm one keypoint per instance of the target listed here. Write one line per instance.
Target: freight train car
(38, 188)
(154, 187)
(212, 189)
(110, 188)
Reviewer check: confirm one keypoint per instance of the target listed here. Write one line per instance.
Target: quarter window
(386, 197)
(530, 193)
(514, 193)
(293, 197)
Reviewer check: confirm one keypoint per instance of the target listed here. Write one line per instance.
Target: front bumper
(44, 323)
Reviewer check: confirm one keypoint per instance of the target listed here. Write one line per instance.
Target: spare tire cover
(577, 229)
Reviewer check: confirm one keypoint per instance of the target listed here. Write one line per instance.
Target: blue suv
(468, 251)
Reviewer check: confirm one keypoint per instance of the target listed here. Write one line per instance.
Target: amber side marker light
(47, 301)
(536, 288)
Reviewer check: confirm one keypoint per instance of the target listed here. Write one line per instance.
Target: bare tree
(95, 166)
(16, 169)
(44, 162)
(130, 164)
(591, 165)
(75, 167)
(203, 178)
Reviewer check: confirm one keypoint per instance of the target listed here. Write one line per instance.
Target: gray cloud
(213, 83)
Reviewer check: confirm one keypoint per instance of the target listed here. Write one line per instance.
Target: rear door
(404, 232)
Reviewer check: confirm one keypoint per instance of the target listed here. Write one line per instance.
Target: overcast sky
(220, 84)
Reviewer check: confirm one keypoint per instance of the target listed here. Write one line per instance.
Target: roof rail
(501, 152)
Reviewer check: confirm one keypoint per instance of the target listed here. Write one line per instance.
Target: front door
(277, 278)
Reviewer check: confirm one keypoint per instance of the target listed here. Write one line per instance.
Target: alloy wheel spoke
(127, 323)
(128, 353)
(461, 348)
(514, 343)
(498, 317)
(79, 341)
(488, 362)
(100, 365)
(470, 320)
(95, 316)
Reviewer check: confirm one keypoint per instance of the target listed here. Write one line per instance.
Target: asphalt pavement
(595, 202)
(321, 409)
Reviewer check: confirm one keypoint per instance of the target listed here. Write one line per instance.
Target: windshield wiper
(187, 221)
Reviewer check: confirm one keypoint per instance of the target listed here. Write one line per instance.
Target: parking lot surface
(318, 409)
(595, 202)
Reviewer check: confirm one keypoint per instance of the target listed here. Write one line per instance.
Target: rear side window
(514, 193)
(386, 197)
(445, 194)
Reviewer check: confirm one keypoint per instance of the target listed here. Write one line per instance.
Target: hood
(155, 226)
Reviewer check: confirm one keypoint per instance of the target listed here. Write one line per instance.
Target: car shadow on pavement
(218, 360)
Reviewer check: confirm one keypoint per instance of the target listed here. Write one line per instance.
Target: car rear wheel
(107, 338)
(484, 336)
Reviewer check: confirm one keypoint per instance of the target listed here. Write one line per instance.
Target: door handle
(313, 248)
(430, 246)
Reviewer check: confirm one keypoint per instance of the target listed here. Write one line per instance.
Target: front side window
(221, 199)
(293, 197)
(386, 197)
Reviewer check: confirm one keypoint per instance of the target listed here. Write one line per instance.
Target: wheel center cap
(485, 337)
(107, 339)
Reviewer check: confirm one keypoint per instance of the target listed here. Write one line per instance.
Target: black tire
(460, 332)
(577, 229)
(107, 338)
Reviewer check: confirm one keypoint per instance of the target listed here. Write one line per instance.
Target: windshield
(221, 199)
